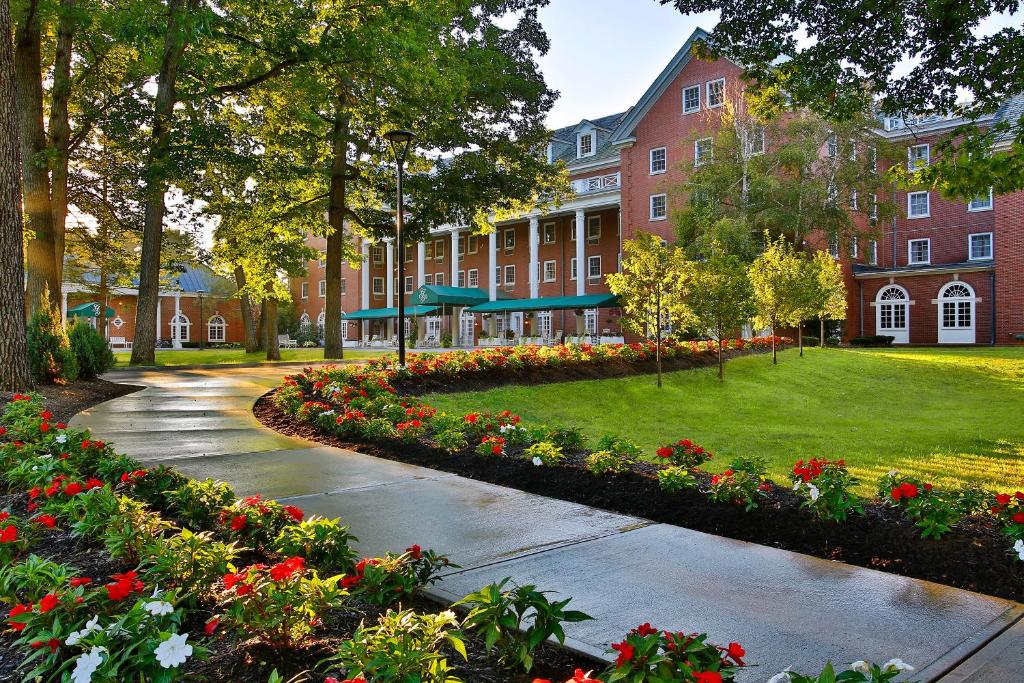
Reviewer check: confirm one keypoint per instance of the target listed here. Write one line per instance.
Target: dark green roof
(454, 296)
(381, 313)
(89, 310)
(549, 303)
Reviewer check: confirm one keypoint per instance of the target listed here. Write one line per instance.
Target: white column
(389, 282)
(176, 323)
(581, 262)
(492, 265)
(455, 258)
(159, 324)
(364, 286)
(534, 270)
(421, 264)
(64, 307)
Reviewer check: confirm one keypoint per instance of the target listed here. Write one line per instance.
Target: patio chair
(286, 342)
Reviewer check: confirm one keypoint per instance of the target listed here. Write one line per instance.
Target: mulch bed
(66, 400)
(974, 556)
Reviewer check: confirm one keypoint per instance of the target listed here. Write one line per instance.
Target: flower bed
(967, 538)
(112, 572)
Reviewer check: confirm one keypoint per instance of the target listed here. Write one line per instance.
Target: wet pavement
(787, 609)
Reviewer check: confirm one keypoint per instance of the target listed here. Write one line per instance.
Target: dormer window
(584, 145)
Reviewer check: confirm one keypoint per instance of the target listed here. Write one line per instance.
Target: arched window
(304, 322)
(320, 320)
(180, 326)
(216, 328)
(892, 309)
(956, 313)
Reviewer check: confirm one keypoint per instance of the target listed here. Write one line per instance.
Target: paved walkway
(787, 609)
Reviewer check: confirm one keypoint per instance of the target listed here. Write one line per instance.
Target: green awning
(89, 310)
(451, 296)
(383, 313)
(549, 303)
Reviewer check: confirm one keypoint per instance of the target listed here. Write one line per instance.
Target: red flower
(52, 643)
(48, 603)
(93, 483)
(296, 513)
(471, 418)
(347, 582)
(707, 677)
(211, 626)
(415, 551)
(4, 515)
(73, 489)
(644, 630)
(46, 415)
(238, 522)
(1018, 518)
(15, 611)
(1019, 495)
(736, 652)
(664, 452)
(80, 581)
(908, 490)
(48, 521)
(44, 427)
(9, 534)
(231, 579)
(284, 570)
(1003, 498)
(625, 651)
(124, 585)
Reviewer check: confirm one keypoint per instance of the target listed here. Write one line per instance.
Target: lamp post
(202, 324)
(400, 141)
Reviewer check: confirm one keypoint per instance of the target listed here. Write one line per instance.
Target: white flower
(90, 626)
(898, 664)
(861, 666)
(813, 490)
(61, 438)
(1019, 547)
(796, 486)
(173, 651)
(86, 665)
(327, 412)
(159, 607)
(781, 677)
(537, 461)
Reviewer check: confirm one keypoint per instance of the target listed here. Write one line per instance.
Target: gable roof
(563, 140)
(658, 87)
(1011, 111)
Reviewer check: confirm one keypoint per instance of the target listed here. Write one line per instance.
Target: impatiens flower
(284, 570)
(537, 461)
(91, 626)
(86, 665)
(52, 643)
(159, 608)
(580, 677)
(813, 491)
(238, 522)
(782, 677)
(414, 551)
(644, 630)
(860, 666)
(736, 653)
(173, 651)
(62, 438)
(93, 483)
(48, 521)
(73, 489)
(80, 581)
(15, 611)
(625, 651)
(44, 427)
(211, 626)
(1019, 547)
(1018, 518)
(897, 664)
(664, 452)
(295, 512)
(9, 534)
(1003, 498)
(707, 677)
(34, 492)
(46, 415)
(48, 602)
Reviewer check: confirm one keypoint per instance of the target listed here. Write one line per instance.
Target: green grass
(951, 415)
(234, 356)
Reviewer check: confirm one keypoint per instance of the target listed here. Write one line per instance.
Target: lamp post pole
(202, 323)
(400, 140)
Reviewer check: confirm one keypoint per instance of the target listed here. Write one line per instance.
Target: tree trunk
(334, 346)
(269, 320)
(60, 131)
(143, 350)
(775, 355)
(800, 337)
(657, 333)
(42, 273)
(14, 372)
(721, 363)
(821, 339)
(252, 345)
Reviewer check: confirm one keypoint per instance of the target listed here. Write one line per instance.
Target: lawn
(233, 356)
(951, 415)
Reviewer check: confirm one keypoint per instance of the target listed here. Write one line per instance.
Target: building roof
(862, 271)
(563, 140)
(1011, 111)
(190, 281)
(552, 303)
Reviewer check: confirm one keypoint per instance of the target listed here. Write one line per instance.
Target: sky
(604, 53)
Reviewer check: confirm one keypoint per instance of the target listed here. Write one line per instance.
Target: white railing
(598, 183)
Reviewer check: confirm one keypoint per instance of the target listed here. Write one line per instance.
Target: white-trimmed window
(982, 203)
(918, 156)
(473, 277)
(703, 150)
(873, 158)
(408, 284)
(428, 279)
(853, 149)
(378, 286)
(344, 286)
(510, 274)
(216, 328)
(753, 141)
(304, 290)
(833, 246)
(853, 198)
(584, 145)
(320, 322)
(472, 244)
(304, 322)
(715, 93)
(919, 252)
(832, 147)
(594, 268)
(438, 250)
(180, 327)
(691, 99)
(919, 204)
(572, 268)
(593, 229)
(439, 279)
(323, 288)
(873, 209)
(957, 302)
(658, 160)
(873, 252)
(510, 239)
(980, 246)
(462, 245)
(461, 281)
(378, 253)
(550, 271)
(549, 233)
(659, 207)
(428, 250)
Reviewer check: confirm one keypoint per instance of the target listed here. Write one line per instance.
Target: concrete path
(787, 609)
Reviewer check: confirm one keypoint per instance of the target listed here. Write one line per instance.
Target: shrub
(50, 356)
(684, 453)
(859, 672)
(14, 537)
(390, 579)
(544, 453)
(91, 350)
(256, 521)
(674, 479)
(811, 340)
(325, 544)
(742, 484)
(402, 646)
(566, 438)
(491, 446)
(648, 655)
(156, 486)
(133, 528)
(451, 440)
(32, 578)
(606, 462)
(188, 561)
(873, 340)
(619, 445)
(199, 503)
(514, 621)
(826, 488)
(934, 512)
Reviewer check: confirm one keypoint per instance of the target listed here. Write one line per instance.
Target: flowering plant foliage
(480, 425)
(619, 445)
(674, 479)
(491, 445)
(14, 536)
(826, 487)
(544, 453)
(743, 483)
(325, 543)
(684, 453)
(198, 503)
(859, 672)
(191, 562)
(648, 655)
(606, 462)
(256, 521)
(393, 578)
(933, 511)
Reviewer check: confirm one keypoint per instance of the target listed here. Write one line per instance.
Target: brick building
(194, 306)
(942, 272)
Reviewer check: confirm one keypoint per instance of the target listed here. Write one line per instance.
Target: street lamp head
(400, 141)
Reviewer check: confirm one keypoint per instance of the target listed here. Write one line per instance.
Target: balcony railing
(598, 183)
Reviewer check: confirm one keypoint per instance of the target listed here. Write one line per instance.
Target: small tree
(721, 297)
(652, 287)
(775, 279)
(824, 289)
(50, 357)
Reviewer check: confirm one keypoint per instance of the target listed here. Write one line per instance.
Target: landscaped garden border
(968, 538)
